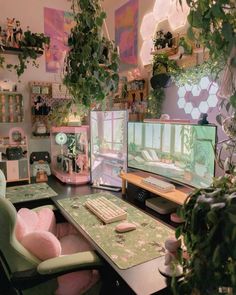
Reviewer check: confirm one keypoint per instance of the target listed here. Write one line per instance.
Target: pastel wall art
(126, 32)
(57, 25)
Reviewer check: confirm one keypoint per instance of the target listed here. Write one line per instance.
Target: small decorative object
(16, 135)
(171, 266)
(61, 139)
(9, 31)
(7, 85)
(203, 119)
(40, 128)
(17, 33)
(36, 89)
(45, 90)
(165, 117)
(41, 176)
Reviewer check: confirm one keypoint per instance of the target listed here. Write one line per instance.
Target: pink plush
(30, 219)
(42, 244)
(46, 220)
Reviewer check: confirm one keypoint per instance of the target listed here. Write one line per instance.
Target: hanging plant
(91, 66)
(155, 102)
(192, 76)
(213, 24)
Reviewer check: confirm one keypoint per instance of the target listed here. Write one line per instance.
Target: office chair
(2, 184)
(27, 274)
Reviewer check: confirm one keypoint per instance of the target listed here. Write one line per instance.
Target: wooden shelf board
(13, 50)
(176, 196)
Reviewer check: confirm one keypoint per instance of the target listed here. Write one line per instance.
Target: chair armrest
(68, 263)
(54, 267)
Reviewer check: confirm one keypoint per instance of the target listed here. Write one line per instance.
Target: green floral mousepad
(29, 192)
(128, 249)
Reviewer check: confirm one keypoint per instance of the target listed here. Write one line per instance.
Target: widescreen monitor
(183, 153)
(108, 130)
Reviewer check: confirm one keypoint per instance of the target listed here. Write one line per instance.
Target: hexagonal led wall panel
(163, 10)
(202, 97)
(148, 23)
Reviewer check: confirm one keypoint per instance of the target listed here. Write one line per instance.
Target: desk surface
(143, 278)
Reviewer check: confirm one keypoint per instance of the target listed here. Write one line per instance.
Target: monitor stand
(107, 187)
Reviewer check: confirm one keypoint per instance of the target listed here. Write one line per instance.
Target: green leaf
(227, 31)
(216, 256)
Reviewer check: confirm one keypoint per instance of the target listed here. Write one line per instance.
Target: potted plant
(91, 66)
(209, 236)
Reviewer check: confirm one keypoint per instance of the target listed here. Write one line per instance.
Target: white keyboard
(106, 210)
(160, 185)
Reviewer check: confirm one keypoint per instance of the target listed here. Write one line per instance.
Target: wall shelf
(14, 50)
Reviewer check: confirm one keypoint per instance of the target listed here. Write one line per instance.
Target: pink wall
(30, 13)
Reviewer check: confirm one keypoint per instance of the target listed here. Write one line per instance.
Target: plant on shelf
(91, 66)
(31, 45)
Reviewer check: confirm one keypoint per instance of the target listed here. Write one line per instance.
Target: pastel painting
(126, 31)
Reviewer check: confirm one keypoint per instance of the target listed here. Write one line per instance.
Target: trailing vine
(91, 66)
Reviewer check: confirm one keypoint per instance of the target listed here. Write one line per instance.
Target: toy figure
(80, 162)
(9, 31)
(172, 268)
(17, 33)
(1, 38)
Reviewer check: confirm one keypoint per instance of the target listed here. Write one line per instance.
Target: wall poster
(57, 25)
(126, 32)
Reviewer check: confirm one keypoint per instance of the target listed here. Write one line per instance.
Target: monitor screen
(108, 131)
(183, 153)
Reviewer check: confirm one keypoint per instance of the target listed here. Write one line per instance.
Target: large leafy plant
(91, 66)
(209, 232)
(209, 214)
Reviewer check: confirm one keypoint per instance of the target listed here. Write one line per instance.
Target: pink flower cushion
(42, 244)
(33, 231)
(29, 221)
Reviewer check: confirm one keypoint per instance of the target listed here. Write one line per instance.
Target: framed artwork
(57, 25)
(126, 32)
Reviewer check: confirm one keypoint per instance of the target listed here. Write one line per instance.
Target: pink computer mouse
(125, 226)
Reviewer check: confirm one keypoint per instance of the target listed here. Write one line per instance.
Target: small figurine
(1, 39)
(203, 119)
(171, 265)
(9, 31)
(17, 33)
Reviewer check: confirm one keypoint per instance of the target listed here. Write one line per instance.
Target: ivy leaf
(219, 119)
(216, 256)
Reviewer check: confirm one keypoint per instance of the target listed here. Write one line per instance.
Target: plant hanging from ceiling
(91, 66)
(213, 24)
